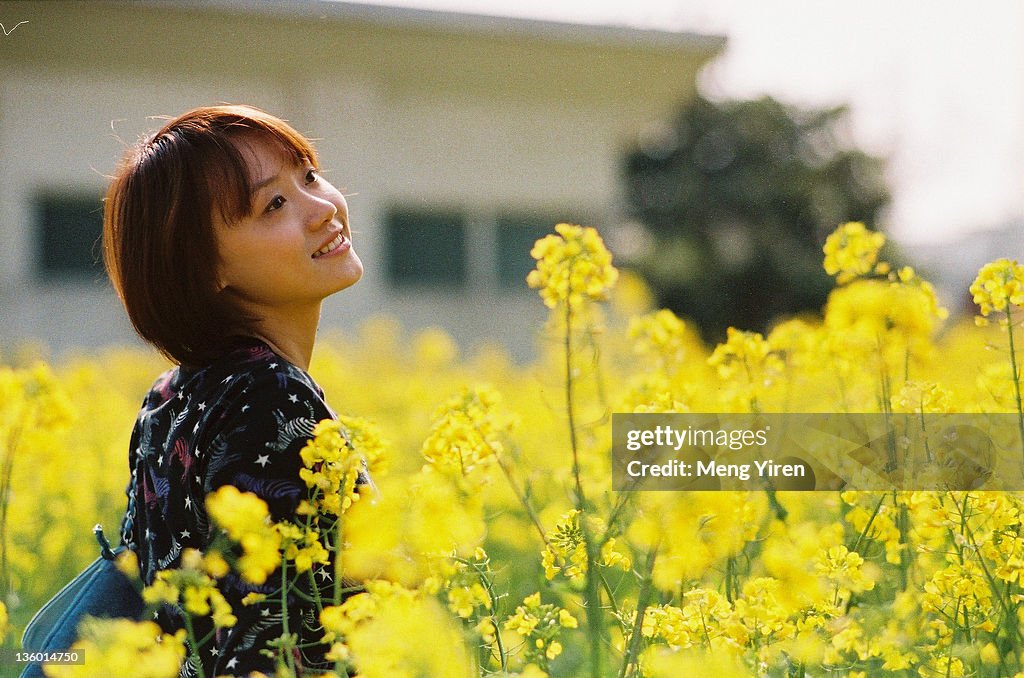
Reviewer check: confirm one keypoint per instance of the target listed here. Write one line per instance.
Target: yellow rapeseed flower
(852, 251)
(845, 568)
(464, 600)
(246, 519)
(566, 552)
(540, 626)
(739, 592)
(412, 523)
(989, 654)
(332, 464)
(468, 432)
(236, 512)
(999, 284)
(4, 622)
(747, 366)
(943, 666)
(162, 590)
(121, 647)
(665, 337)
(369, 442)
(921, 397)
(378, 627)
(434, 349)
(191, 587)
(302, 546)
(745, 355)
(573, 267)
(659, 661)
(872, 315)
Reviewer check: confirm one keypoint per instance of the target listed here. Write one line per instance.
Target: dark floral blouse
(239, 421)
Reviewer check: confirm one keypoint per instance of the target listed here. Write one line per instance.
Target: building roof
(462, 22)
(407, 52)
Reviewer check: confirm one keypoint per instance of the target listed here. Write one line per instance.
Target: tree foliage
(738, 198)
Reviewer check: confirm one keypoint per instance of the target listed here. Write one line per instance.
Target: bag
(100, 590)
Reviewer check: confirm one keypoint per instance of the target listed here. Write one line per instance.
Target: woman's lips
(338, 244)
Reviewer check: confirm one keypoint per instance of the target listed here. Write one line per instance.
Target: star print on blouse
(240, 421)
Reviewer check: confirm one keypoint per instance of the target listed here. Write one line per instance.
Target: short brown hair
(159, 244)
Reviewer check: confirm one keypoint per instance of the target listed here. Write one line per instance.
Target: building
(459, 139)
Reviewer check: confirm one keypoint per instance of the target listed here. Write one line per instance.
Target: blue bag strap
(105, 551)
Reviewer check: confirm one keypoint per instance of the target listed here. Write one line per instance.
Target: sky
(936, 86)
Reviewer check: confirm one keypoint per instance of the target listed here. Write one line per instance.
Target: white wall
(402, 117)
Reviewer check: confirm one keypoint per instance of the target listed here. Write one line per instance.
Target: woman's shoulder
(251, 370)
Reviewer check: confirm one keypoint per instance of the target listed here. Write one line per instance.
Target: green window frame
(69, 235)
(426, 248)
(515, 237)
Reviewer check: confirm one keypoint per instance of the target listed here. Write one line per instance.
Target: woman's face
(294, 249)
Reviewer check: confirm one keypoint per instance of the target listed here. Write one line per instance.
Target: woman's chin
(352, 273)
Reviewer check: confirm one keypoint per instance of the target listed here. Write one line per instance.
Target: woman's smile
(337, 245)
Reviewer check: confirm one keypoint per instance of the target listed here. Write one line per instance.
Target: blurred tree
(738, 198)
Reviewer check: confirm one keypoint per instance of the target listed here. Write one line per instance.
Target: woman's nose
(322, 211)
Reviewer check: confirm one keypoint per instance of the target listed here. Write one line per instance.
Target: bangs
(206, 140)
(228, 177)
(228, 186)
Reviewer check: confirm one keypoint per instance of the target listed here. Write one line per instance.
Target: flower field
(494, 544)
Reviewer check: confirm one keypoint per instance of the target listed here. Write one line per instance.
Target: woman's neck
(291, 336)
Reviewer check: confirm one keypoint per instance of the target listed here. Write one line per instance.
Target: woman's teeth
(330, 246)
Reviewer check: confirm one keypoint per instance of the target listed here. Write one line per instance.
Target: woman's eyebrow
(263, 183)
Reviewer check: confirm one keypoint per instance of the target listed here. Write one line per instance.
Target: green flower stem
(1016, 379)
(731, 580)
(952, 644)
(704, 626)
(592, 597)
(924, 433)
(903, 524)
(580, 500)
(1009, 612)
(301, 595)
(755, 408)
(964, 517)
(521, 496)
(289, 659)
(339, 569)
(629, 664)
(483, 575)
(620, 503)
(886, 408)
(317, 599)
(6, 478)
(193, 645)
(6, 474)
(608, 592)
(864, 532)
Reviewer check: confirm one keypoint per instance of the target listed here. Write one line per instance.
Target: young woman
(222, 241)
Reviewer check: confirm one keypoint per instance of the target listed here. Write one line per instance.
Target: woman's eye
(311, 176)
(276, 204)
